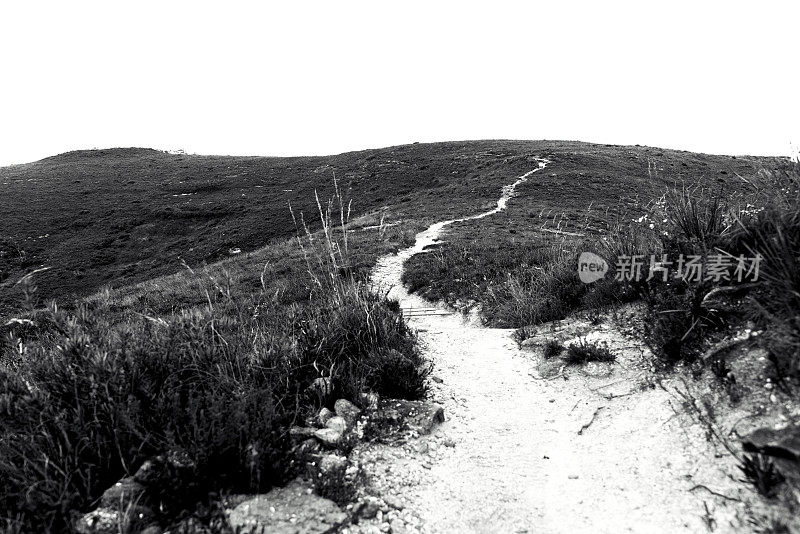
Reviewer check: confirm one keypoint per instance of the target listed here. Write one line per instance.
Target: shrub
(585, 351)
(674, 322)
(760, 471)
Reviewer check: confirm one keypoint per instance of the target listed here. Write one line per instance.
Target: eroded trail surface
(528, 447)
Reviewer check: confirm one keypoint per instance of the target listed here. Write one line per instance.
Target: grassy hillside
(216, 360)
(120, 216)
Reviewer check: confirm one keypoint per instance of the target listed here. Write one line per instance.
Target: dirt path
(529, 448)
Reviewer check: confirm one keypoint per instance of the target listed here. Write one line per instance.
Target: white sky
(292, 78)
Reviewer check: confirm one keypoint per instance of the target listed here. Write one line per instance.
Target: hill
(121, 216)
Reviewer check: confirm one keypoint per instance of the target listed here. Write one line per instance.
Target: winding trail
(530, 450)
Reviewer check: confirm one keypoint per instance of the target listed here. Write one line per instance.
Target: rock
(102, 521)
(289, 510)
(398, 527)
(150, 472)
(369, 508)
(180, 461)
(122, 494)
(113, 521)
(332, 464)
(300, 433)
(152, 529)
(347, 410)
(329, 436)
(322, 387)
(337, 422)
(393, 502)
(175, 467)
(726, 298)
(417, 415)
(783, 443)
(323, 416)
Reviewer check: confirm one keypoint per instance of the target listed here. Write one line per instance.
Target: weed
(760, 471)
(585, 351)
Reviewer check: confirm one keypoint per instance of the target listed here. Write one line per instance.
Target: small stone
(370, 508)
(449, 442)
(398, 527)
(331, 464)
(337, 423)
(347, 410)
(329, 436)
(422, 447)
(324, 415)
(122, 494)
(150, 472)
(101, 521)
(573, 477)
(393, 502)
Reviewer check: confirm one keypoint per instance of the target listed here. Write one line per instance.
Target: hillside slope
(120, 216)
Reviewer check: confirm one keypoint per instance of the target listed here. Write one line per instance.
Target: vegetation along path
(529, 447)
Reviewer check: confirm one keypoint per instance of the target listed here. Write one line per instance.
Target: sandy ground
(534, 447)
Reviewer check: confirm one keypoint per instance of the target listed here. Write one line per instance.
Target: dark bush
(760, 471)
(553, 348)
(585, 351)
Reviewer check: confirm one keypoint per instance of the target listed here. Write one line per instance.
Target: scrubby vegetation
(88, 394)
(520, 283)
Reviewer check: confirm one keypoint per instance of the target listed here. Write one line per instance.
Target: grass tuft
(585, 351)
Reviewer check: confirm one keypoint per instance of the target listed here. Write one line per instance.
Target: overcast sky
(292, 78)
